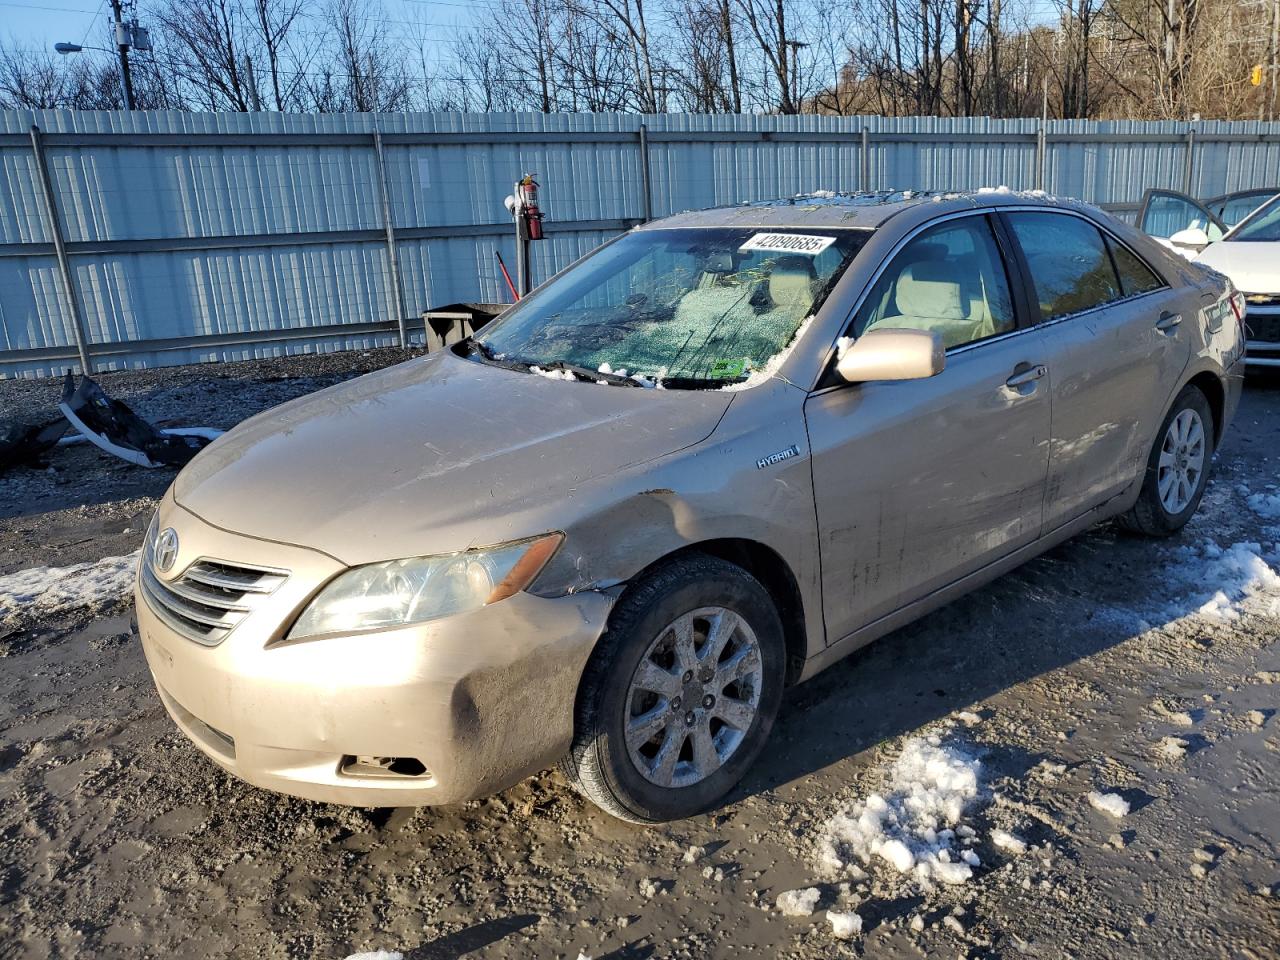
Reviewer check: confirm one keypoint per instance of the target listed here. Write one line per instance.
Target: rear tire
(680, 694)
(1177, 468)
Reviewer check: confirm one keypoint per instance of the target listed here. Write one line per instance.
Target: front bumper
(481, 700)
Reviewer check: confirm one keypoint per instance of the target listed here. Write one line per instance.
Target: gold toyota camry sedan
(703, 463)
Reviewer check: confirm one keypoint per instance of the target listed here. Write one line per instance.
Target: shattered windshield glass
(701, 307)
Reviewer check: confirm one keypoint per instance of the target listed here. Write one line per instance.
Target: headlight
(424, 588)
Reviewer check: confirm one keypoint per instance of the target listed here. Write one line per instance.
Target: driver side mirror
(1191, 237)
(892, 354)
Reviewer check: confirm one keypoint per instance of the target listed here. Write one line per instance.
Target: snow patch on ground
(378, 955)
(1111, 803)
(1265, 505)
(48, 589)
(1008, 842)
(1218, 583)
(912, 824)
(844, 926)
(799, 903)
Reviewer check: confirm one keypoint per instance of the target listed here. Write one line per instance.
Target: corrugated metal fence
(195, 237)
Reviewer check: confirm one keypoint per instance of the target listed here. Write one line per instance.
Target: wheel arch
(774, 573)
(1211, 386)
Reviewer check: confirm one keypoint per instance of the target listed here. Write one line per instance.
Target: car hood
(432, 456)
(1253, 266)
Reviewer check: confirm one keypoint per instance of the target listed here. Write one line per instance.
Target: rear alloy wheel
(1181, 462)
(680, 694)
(1177, 468)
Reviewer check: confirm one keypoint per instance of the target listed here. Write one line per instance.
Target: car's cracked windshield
(692, 308)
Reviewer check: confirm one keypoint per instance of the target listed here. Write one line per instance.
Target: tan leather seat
(929, 296)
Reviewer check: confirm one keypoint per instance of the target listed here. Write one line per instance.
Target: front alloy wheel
(680, 693)
(693, 697)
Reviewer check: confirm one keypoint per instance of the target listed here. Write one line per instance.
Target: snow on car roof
(827, 208)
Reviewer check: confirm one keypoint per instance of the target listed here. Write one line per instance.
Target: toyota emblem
(166, 549)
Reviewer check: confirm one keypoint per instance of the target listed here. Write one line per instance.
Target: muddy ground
(117, 838)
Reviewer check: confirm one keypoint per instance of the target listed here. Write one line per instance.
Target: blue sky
(38, 24)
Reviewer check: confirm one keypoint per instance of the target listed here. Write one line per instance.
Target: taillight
(1237, 306)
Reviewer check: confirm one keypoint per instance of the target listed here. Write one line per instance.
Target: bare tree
(274, 20)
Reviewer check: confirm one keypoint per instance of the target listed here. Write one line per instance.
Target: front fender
(742, 483)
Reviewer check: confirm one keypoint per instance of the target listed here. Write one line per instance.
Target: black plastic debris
(112, 426)
(24, 442)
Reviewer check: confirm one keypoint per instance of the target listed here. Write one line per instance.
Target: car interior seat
(929, 296)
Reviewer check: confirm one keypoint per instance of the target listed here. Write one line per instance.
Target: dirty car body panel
(859, 505)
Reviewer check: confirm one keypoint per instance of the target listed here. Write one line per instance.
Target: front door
(1176, 219)
(918, 483)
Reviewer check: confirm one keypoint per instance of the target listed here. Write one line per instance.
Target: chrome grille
(210, 598)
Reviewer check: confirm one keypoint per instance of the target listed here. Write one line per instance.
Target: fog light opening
(388, 767)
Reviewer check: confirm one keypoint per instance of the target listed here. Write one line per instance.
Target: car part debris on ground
(108, 424)
(25, 442)
(111, 425)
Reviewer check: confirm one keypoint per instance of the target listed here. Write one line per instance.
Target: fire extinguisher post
(528, 227)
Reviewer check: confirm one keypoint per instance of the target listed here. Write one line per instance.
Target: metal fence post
(864, 155)
(1189, 169)
(395, 299)
(60, 250)
(646, 183)
(1041, 157)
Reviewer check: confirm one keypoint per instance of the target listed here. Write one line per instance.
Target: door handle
(1168, 321)
(1030, 375)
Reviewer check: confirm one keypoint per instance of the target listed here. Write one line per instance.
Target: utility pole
(254, 101)
(795, 46)
(1275, 58)
(123, 43)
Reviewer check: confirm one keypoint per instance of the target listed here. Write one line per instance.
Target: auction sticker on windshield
(788, 243)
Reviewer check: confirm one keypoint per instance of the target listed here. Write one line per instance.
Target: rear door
(1165, 214)
(1120, 340)
(920, 482)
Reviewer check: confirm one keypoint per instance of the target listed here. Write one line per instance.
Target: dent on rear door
(1114, 371)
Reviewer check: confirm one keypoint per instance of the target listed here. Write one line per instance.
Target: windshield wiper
(586, 373)
(516, 363)
(485, 352)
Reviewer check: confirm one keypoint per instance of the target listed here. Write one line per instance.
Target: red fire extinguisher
(527, 193)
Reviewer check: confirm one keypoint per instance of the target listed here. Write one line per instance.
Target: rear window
(1068, 260)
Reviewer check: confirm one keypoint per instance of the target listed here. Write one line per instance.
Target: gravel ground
(118, 839)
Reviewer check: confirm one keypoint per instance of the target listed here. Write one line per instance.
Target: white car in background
(1237, 235)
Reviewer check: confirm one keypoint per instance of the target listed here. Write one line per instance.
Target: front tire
(1177, 468)
(680, 694)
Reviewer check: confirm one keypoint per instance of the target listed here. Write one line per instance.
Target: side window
(950, 279)
(1068, 263)
(1135, 276)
